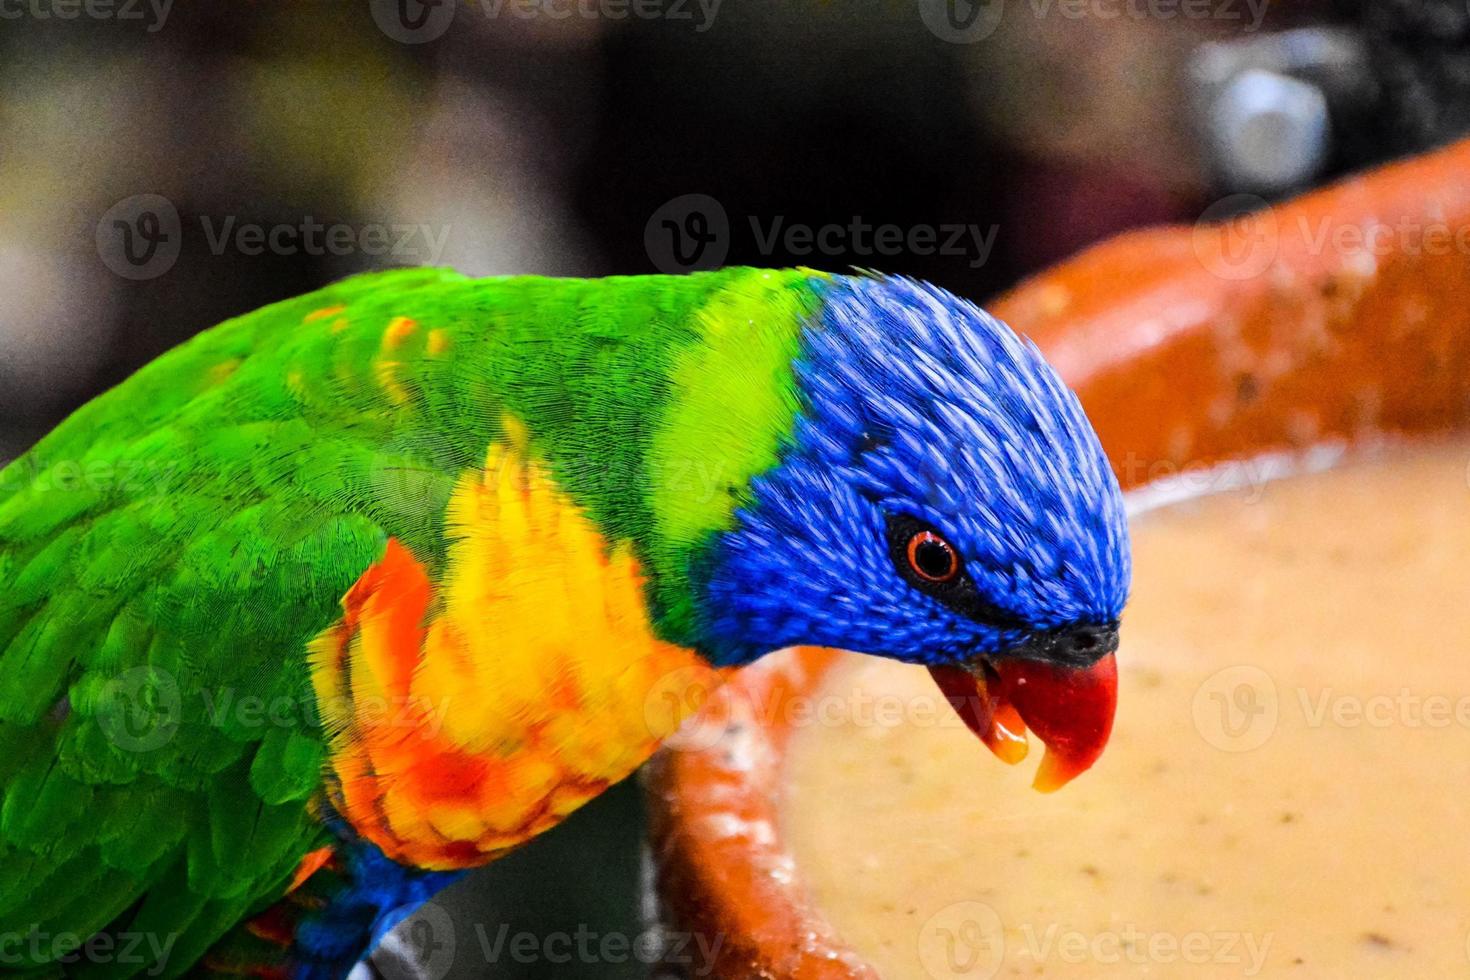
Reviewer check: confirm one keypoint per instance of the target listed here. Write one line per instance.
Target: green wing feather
(168, 551)
(164, 556)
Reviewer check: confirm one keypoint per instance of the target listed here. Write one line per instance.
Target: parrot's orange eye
(932, 558)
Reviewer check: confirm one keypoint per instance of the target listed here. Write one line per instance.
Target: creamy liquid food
(1286, 793)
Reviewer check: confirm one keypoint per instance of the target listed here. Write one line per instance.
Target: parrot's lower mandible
(366, 588)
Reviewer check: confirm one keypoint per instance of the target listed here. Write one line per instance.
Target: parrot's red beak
(1069, 708)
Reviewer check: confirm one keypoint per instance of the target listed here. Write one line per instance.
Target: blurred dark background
(965, 143)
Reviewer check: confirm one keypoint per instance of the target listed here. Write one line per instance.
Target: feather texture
(413, 566)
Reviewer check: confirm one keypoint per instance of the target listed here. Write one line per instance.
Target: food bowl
(1335, 321)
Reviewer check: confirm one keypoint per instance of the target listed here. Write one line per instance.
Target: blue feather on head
(922, 413)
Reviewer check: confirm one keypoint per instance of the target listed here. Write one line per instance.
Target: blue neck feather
(917, 403)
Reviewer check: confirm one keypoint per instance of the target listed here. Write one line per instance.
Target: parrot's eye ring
(932, 558)
(927, 561)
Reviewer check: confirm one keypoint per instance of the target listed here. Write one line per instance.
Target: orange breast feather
(467, 716)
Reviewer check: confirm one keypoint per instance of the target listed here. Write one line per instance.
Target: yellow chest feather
(467, 716)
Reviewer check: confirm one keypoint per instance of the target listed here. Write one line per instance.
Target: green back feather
(168, 551)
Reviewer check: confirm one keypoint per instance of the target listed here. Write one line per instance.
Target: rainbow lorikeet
(361, 590)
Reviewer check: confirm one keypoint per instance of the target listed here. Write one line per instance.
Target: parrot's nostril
(1087, 642)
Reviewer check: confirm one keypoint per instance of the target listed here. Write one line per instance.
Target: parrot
(347, 596)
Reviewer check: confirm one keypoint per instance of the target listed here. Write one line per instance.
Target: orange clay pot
(1341, 317)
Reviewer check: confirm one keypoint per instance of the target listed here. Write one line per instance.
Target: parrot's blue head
(945, 502)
